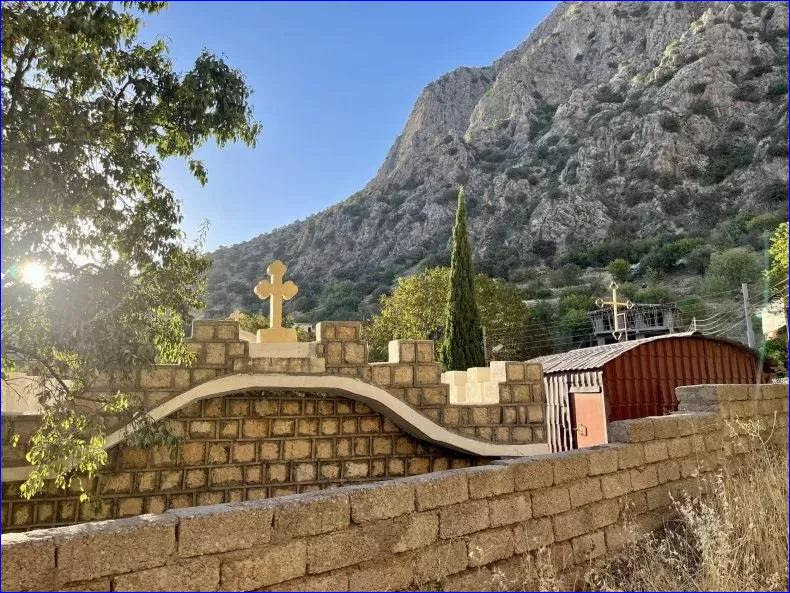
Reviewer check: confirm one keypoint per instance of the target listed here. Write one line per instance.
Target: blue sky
(333, 84)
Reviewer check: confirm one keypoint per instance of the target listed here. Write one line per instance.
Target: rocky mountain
(612, 123)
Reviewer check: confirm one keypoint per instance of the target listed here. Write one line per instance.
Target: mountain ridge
(606, 115)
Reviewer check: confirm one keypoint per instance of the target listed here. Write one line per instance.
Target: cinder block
(402, 375)
(28, 562)
(679, 447)
(657, 451)
(215, 353)
(616, 484)
(425, 351)
(397, 573)
(532, 472)
(196, 574)
(489, 546)
(570, 524)
(263, 567)
(603, 459)
(333, 581)
(438, 561)
(224, 527)
(509, 509)
(157, 378)
(588, 547)
(550, 501)
(571, 465)
(350, 546)
(416, 530)
(533, 535)
(603, 513)
(584, 492)
(440, 489)
(228, 331)
(312, 514)
(93, 550)
(631, 431)
(402, 351)
(354, 353)
(491, 480)
(427, 374)
(463, 518)
(631, 455)
(203, 331)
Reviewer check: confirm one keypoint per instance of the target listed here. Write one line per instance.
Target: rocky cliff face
(611, 121)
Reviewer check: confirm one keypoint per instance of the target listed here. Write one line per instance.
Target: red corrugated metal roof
(597, 356)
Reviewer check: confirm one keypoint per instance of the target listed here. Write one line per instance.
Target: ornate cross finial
(278, 291)
(618, 332)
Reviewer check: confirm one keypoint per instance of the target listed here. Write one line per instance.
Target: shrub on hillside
(704, 107)
(698, 259)
(566, 275)
(669, 122)
(724, 159)
(729, 269)
(601, 171)
(619, 269)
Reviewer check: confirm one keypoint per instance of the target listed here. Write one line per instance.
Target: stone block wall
(240, 447)
(461, 529)
(216, 346)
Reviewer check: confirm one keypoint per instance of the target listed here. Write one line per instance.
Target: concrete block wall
(216, 347)
(236, 448)
(461, 529)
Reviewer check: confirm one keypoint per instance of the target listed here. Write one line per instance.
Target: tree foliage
(777, 273)
(462, 346)
(416, 310)
(730, 268)
(619, 269)
(89, 112)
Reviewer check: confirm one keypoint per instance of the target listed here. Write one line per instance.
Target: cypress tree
(462, 346)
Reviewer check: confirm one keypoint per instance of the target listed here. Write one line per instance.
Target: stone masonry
(460, 529)
(240, 447)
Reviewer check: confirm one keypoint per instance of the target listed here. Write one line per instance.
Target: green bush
(698, 88)
(601, 171)
(576, 300)
(669, 122)
(699, 257)
(777, 89)
(724, 159)
(728, 269)
(536, 290)
(748, 92)
(775, 191)
(704, 107)
(540, 120)
(566, 275)
(544, 248)
(619, 269)
(605, 94)
(665, 257)
(653, 294)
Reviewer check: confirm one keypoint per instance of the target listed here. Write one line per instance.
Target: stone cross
(277, 291)
(618, 331)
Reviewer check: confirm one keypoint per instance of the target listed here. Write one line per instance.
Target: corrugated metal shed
(588, 387)
(594, 357)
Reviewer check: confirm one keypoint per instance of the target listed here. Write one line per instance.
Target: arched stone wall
(241, 445)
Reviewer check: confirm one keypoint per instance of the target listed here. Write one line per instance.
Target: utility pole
(747, 316)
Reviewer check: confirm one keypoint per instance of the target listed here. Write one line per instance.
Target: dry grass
(733, 538)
